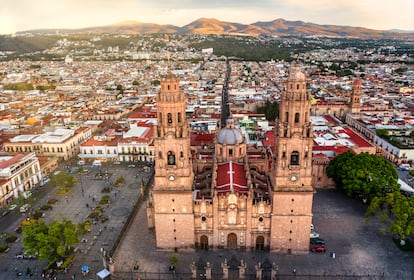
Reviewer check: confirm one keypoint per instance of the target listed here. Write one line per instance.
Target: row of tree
(375, 180)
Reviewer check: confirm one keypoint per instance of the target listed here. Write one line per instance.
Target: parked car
(12, 207)
(24, 208)
(319, 248)
(314, 234)
(317, 240)
(27, 194)
(5, 213)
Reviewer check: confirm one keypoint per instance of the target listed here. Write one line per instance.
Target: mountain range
(278, 27)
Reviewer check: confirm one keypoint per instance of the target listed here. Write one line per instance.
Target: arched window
(296, 117)
(169, 118)
(171, 158)
(294, 158)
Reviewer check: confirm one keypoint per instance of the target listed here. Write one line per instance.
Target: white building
(18, 173)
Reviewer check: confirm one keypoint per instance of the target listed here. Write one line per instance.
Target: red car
(319, 248)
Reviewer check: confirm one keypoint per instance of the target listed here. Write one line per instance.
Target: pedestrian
(294, 271)
(87, 205)
(73, 277)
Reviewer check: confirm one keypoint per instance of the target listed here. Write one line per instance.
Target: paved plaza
(355, 250)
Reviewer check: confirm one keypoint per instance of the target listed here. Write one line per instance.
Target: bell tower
(291, 176)
(173, 180)
(355, 102)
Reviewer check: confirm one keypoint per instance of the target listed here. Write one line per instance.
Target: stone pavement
(76, 206)
(361, 251)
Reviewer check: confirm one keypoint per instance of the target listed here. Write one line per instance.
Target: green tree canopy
(53, 242)
(270, 109)
(397, 208)
(364, 174)
(63, 180)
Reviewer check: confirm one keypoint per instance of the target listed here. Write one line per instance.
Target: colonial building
(230, 194)
(18, 173)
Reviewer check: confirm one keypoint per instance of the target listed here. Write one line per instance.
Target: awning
(103, 273)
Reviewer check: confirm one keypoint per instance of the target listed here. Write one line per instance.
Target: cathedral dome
(230, 135)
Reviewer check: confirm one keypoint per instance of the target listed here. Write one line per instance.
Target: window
(296, 117)
(181, 154)
(286, 116)
(171, 158)
(169, 118)
(179, 117)
(294, 158)
(168, 87)
(230, 152)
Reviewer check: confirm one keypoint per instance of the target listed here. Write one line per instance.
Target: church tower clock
(173, 180)
(291, 177)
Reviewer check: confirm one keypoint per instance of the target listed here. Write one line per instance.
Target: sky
(21, 15)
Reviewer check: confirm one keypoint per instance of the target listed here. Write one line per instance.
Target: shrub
(62, 191)
(46, 207)
(10, 238)
(52, 201)
(38, 214)
(93, 215)
(3, 248)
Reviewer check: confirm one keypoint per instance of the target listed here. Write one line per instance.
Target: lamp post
(80, 176)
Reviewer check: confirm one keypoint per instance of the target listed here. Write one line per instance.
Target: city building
(18, 173)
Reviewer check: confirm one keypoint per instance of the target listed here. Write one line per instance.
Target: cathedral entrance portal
(260, 243)
(204, 242)
(232, 241)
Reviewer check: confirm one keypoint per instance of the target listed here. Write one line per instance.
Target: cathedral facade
(230, 195)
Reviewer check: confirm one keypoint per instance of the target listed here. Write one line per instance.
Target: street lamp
(80, 176)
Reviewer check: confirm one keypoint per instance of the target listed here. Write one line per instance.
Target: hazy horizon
(23, 15)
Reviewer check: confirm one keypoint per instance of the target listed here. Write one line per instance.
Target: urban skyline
(24, 15)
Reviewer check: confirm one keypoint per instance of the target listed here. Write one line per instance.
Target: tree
(397, 208)
(155, 82)
(53, 242)
(270, 109)
(63, 180)
(363, 174)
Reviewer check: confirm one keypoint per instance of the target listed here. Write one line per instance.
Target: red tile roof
(201, 139)
(358, 140)
(10, 161)
(231, 177)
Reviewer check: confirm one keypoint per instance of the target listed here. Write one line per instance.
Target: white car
(314, 234)
(12, 207)
(27, 194)
(24, 208)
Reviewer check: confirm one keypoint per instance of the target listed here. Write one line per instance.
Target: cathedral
(230, 195)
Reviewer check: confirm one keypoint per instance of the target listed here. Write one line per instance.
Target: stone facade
(229, 194)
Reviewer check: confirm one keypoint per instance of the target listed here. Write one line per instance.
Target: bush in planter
(38, 214)
(46, 207)
(52, 201)
(3, 248)
(10, 238)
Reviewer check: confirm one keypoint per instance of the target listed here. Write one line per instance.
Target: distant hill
(278, 27)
